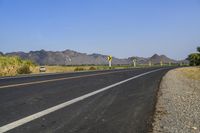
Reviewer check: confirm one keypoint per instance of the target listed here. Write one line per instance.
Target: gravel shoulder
(178, 105)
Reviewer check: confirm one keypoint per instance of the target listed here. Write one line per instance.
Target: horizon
(112, 27)
(92, 53)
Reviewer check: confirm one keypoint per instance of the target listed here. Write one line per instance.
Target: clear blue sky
(121, 28)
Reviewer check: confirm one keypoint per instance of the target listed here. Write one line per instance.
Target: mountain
(70, 57)
(67, 57)
(155, 59)
(140, 60)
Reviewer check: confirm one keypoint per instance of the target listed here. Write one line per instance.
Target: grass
(191, 72)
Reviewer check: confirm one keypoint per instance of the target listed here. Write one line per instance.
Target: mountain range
(70, 57)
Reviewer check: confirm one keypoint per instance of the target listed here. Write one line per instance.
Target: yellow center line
(59, 79)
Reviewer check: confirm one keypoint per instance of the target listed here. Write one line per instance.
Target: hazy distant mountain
(69, 57)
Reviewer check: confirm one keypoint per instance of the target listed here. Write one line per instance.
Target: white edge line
(30, 118)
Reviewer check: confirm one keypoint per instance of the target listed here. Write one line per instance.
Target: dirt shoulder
(178, 105)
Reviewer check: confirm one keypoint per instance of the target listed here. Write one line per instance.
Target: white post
(110, 61)
(150, 63)
(134, 62)
(110, 64)
(161, 63)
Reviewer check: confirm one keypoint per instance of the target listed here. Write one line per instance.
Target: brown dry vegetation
(191, 72)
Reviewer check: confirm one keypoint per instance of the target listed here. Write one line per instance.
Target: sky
(121, 28)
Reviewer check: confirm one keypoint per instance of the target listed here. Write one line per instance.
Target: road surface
(116, 101)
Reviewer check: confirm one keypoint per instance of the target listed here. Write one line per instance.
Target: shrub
(29, 63)
(12, 65)
(92, 68)
(79, 69)
(25, 69)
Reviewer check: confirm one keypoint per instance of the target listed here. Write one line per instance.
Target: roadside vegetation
(192, 72)
(13, 65)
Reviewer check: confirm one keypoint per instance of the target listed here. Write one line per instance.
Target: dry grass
(191, 72)
(59, 69)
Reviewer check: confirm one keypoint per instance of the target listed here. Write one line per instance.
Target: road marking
(29, 75)
(30, 118)
(59, 79)
(47, 74)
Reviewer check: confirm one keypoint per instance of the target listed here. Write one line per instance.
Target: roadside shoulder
(178, 105)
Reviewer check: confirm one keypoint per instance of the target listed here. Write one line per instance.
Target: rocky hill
(155, 59)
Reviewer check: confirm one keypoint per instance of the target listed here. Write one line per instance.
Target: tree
(198, 49)
(194, 58)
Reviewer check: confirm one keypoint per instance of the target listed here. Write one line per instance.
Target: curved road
(116, 101)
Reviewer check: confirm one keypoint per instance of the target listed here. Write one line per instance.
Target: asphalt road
(117, 101)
